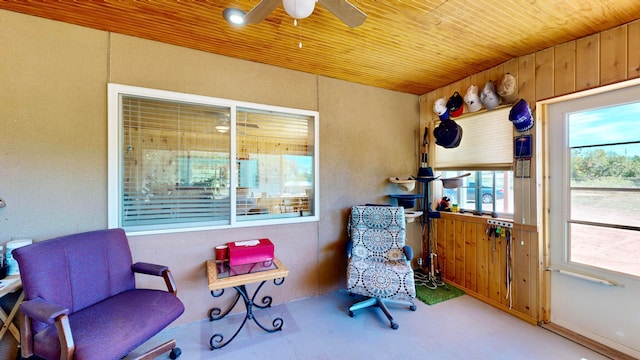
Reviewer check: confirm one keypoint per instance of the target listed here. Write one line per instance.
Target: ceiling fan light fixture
(222, 128)
(234, 16)
(299, 9)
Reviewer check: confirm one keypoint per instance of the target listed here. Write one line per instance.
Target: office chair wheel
(413, 308)
(175, 352)
(351, 313)
(395, 326)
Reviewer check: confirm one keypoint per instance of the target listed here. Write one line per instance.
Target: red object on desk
(250, 251)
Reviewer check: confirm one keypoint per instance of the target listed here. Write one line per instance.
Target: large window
(604, 188)
(180, 161)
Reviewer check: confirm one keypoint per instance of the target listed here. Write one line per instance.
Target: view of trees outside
(604, 209)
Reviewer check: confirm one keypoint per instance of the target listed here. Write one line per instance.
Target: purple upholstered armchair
(81, 301)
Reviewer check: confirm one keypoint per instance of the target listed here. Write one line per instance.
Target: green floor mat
(440, 294)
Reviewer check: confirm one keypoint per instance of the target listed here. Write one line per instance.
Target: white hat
(507, 88)
(472, 99)
(489, 96)
(440, 108)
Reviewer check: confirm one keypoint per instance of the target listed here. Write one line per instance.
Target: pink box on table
(250, 251)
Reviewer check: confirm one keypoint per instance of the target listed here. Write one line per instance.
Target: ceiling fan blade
(345, 11)
(261, 11)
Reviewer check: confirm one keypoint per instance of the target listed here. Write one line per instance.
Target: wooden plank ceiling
(410, 46)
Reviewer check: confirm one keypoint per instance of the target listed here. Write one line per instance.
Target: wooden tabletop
(236, 280)
(10, 284)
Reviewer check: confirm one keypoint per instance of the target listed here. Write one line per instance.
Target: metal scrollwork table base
(220, 281)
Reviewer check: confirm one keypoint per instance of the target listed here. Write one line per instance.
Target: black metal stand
(217, 340)
(430, 278)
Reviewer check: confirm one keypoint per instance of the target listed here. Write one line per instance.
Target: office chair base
(382, 304)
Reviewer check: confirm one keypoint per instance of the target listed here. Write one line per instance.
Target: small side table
(11, 284)
(238, 278)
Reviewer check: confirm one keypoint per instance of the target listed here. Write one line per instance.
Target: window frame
(116, 164)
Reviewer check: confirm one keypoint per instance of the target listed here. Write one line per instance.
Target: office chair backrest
(76, 271)
(377, 232)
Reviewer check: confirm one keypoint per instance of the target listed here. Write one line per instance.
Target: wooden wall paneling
(450, 249)
(588, 62)
(448, 90)
(633, 48)
(534, 269)
(481, 79)
(527, 78)
(521, 291)
(470, 247)
(523, 208)
(473, 80)
(544, 74)
(564, 68)
(466, 82)
(502, 252)
(426, 109)
(613, 55)
(430, 122)
(511, 67)
(483, 250)
(495, 270)
(459, 252)
(440, 245)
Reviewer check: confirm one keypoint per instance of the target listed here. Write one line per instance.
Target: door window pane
(604, 191)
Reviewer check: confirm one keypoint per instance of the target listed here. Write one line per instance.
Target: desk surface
(216, 283)
(10, 284)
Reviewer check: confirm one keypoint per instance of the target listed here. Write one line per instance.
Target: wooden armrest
(46, 312)
(149, 269)
(42, 311)
(157, 270)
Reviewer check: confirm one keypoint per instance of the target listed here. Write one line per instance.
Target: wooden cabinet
(472, 260)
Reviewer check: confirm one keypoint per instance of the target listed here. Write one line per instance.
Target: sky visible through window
(608, 125)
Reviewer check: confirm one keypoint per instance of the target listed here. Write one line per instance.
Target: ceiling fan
(298, 9)
(223, 122)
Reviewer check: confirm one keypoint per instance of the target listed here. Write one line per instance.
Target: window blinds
(175, 163)
(487, 143)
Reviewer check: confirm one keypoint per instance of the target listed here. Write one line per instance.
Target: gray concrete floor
(319, 328)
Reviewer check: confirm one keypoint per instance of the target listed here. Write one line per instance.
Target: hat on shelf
(455, 105)
(472, 99)
(448, 134)
(489, 96)
(440, 108)
(404, 184)
(407, 201)
(520, 116)
(507, 88)
(425, 174)
(453, 182)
